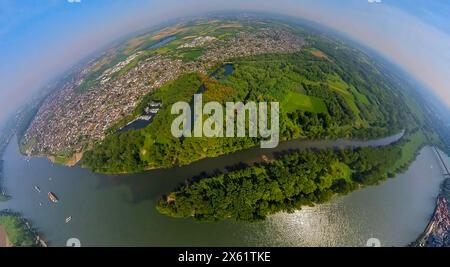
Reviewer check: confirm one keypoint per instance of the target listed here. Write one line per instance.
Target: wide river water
(115, 210)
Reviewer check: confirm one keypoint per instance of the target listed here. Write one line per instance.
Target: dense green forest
(19, 234)
(295, 180)
(316, 103)
(325, 91)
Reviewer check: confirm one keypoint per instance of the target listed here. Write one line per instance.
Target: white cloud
(374, 1)
(74, 1)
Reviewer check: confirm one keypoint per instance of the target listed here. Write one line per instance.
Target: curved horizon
(323, 121)
(41, 40)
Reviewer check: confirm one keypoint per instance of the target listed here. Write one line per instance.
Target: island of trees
(326, 91)
(284, 185)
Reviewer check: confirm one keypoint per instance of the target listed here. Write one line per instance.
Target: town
(437, 233)
(70, 120)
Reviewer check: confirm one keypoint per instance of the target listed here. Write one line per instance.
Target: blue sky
(41, 38)
(434, 12)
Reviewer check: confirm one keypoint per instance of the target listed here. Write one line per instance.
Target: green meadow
(297, 101)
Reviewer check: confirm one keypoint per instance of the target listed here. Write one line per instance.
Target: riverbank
(3, 195)
(4, 240)
(283, 147)
(282, 185)
(6, 135)
(15, 231)
(127, 202)
(437, 232)
(66, 161)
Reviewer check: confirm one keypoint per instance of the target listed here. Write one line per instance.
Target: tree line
(284, 185)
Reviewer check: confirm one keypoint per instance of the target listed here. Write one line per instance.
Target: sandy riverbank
(4, 241)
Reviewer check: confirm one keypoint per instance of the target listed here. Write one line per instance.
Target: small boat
(53, 197)
(37, 188)
(68, 219)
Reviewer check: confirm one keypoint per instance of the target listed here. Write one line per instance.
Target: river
(118, 210)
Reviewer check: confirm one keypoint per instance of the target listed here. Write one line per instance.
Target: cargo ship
(53, 197)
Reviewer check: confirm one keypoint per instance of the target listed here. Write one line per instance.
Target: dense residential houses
(69, 120)
(437, 233)
(265, 41)
(199, 41)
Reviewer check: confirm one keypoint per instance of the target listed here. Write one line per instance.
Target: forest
(20, 234)
(326, 91)
(284, 185)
